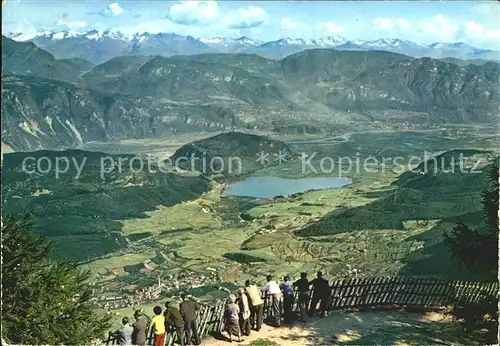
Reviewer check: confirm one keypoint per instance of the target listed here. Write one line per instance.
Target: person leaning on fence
(232, 321)
(244, 306)
(272, 290)
(141, 324)
(188, 310)
(288, 299)
(173, 320)
(158, 327)
(124, 334)
(256, 305)
(321, 294)
(302, 286)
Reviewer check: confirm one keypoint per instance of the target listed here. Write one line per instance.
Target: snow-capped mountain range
(98, 47)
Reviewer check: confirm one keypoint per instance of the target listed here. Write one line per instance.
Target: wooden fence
(365, 293)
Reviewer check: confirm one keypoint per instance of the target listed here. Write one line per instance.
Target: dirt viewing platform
(361, 328)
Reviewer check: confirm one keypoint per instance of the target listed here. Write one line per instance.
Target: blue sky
(477, 23)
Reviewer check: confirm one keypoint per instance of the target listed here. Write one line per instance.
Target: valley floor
(362, 328)
(249, 238)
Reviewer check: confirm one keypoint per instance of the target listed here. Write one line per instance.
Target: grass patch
(209, 244)
(243, 258)
(133, 268)
(102, 266)
(189, 215)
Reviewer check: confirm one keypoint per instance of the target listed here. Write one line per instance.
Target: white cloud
(115, 9)
(245, 18)
(288, 24)
(403, 24)
(399, 24)
(153, 27)
(71, 25)
(441, 28)
(473, 29)
(192, 12)
(382, 23)
(329, 28)
(294, 28)
(477, 33)
(489, 11)
(76, 25)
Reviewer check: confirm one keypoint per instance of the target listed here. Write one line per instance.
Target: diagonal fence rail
(363, 293)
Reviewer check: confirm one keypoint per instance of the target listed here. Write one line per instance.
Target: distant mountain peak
(324, 42)
(249, 40)
(334, 39)
(448, 44)
(228, 41)
(163, 43)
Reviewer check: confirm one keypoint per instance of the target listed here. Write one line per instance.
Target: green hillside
(415, 196)
(232, 153)
(82, 213)
(24, 58)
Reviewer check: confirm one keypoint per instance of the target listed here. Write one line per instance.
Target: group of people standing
(244, 311)
(182, 320)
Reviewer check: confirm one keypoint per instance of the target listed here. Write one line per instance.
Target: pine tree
(44, 302)
(478, 249)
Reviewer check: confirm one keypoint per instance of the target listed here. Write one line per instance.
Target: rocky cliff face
(40, 113)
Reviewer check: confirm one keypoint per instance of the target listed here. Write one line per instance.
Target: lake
(269, 187)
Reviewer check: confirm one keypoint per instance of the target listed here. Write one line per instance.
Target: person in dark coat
(320, 295)
(302, 285)
(173, 319)
(188, 310)
(141, 325)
